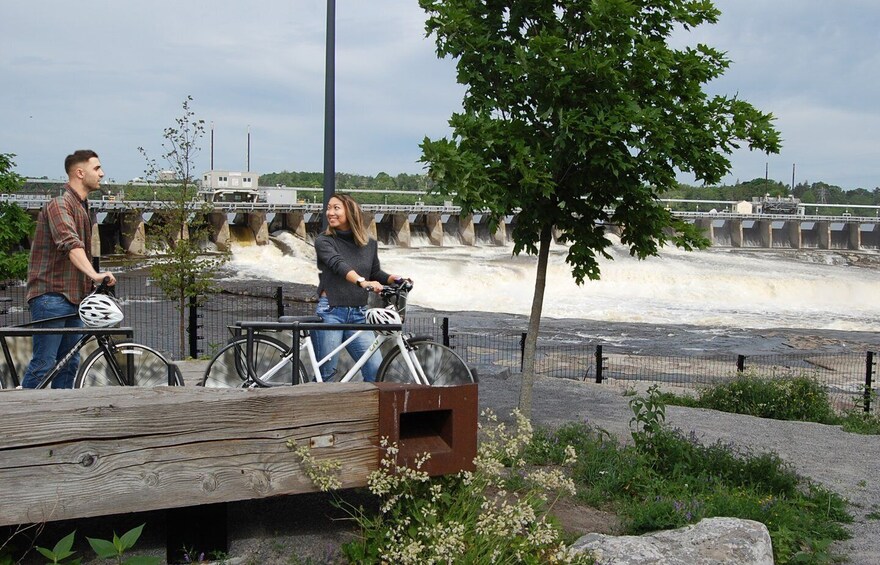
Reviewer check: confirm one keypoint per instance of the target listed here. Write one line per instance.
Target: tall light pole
(329, 110)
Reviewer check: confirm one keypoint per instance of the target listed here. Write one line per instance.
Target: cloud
(813, 65)
(112, 76)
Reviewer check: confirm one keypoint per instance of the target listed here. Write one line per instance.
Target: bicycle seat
(300, 319)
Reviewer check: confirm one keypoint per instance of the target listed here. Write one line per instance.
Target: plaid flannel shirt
(63, 224)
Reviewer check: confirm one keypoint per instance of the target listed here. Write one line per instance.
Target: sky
(112, 75)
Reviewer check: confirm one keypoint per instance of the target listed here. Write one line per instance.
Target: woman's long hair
(355, 218)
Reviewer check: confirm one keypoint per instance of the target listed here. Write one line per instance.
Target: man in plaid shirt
(60, 271)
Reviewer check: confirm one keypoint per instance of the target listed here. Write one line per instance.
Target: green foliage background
(16, 226)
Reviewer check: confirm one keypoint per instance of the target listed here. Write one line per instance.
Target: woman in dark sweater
(348, 268)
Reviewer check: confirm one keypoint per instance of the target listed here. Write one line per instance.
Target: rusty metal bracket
(441, 421)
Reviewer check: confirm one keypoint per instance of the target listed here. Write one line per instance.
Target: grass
(667, 480)
(798, 398)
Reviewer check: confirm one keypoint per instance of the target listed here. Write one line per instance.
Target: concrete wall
(130, 229)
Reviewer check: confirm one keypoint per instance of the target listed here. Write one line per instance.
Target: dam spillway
(124, 225)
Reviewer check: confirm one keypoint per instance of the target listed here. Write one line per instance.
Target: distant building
(279, 195)
(230, 186)
(777, 205)
(743, 207)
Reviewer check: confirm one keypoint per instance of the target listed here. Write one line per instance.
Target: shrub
(798, 398)
(499, 513)
(667, 480)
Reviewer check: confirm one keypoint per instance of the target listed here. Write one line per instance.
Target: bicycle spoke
(131, 364)
(442, 366)
(229, 368)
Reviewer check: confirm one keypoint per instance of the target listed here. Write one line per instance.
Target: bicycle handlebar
(397, 289)
(394, 294)
(105, 288)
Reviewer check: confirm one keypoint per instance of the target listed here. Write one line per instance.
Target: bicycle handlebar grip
(104, 287)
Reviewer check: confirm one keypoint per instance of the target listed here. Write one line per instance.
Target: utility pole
(329, 110)
(767, 179)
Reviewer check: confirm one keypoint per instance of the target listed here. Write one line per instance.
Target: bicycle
(112, 363)
(260, 360)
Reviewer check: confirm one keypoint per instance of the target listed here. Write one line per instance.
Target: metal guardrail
(35, 202)
(775, 217)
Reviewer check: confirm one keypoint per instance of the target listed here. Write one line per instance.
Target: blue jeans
(326, 341)
(48, 348)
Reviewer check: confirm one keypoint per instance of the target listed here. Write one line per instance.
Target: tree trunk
(181, 323)
(531, 345)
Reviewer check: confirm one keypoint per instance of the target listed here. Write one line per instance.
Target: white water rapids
(714, 288)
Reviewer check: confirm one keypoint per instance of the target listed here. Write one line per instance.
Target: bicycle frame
(415, 369)
(302, 341)
(107, 349)
(102, 335)
(305, 344)
(61, 363)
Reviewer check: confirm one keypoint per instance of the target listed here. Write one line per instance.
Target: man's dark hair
(77, 157)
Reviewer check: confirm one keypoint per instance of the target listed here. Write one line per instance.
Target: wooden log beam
(80, 453)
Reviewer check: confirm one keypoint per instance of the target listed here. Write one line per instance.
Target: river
(722, 299)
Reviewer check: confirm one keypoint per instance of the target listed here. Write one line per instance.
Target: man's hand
(99, 278)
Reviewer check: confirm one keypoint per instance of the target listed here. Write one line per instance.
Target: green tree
(185, 272)
(16, 225)
(10, 182)
(859, 196)
(578, 114)
(299, 179)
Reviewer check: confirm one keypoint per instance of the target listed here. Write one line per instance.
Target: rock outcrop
(712, 541)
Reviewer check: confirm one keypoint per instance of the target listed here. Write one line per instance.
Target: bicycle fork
(125, 377)
(412, 363)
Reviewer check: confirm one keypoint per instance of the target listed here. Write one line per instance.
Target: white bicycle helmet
(99, 311)
(382, 316)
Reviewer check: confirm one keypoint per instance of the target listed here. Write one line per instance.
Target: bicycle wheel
(137, 365)
(442, 366)
(228, 369)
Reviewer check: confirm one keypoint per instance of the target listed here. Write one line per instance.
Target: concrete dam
(124, 226)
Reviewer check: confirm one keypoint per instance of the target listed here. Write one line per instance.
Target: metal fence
(848, 377)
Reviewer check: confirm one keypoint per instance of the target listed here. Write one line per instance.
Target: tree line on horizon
(806, 192)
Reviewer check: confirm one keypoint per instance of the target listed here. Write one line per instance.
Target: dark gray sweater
(339, 254)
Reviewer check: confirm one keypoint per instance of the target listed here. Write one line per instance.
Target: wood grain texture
(91, 452)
